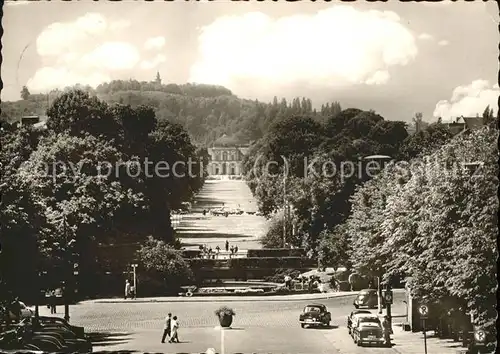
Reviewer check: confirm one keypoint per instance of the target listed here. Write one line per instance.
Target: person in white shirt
(167, 328)
(127, 288)
(174, 327)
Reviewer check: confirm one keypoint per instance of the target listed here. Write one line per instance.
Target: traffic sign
(424, 311)
(388, 296)
(480, 336)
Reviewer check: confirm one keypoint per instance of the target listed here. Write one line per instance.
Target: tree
(441, 227)
(489, 117)
(77, 113)
(418, 122)
(334, 247)
(425, 141)
(25, 93)
(161, 262)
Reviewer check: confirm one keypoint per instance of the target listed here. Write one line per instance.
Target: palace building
(226, 157)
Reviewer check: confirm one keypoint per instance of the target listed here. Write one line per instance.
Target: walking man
(167, 328)
(227, 245)
(53, 302)
(386, 324)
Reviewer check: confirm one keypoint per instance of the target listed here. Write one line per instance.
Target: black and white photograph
(249, 177)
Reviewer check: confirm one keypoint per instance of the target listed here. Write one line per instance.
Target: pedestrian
(288, 281)
(167, 328)
(132, 292)
(53, 302)
(174, 330)
(127, 288)
(227, 245)
(386, 325)
(235, 249)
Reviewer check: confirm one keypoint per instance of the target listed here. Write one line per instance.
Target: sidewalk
(413, 343)
(298, 297)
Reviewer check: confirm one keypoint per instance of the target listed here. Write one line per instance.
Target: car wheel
(328, 324)
(302, 325)
(356, 306)
(358, 343)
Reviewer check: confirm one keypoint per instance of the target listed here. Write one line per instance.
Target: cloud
(150, 64)
(154, 43)
(425, 37)
(443, 43)
(112, 56)
(59, 38)
(78, 52)
(335, 47)
(119, 25)
(469, 100)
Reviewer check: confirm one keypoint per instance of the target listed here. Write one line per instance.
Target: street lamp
(135, 279)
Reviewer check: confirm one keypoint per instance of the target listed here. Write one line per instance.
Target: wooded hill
(207, 112)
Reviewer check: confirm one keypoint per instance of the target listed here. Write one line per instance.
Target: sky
(395, 58)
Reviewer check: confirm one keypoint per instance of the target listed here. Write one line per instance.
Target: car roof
(315, 305)
(359, 312)
(367, 315)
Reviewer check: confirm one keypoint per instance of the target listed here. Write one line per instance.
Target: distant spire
(158, 78)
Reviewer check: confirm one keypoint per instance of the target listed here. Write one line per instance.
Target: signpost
(424, 314)
(479, 338)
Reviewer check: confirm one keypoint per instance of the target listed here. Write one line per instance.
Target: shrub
(276, 252)
(162, 263)
(224, 311)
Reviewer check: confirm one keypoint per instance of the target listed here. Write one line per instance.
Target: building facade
(226, 160)
(226, 157)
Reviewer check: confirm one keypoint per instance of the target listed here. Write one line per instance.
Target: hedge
(238, 274)
(253, 263)
(276, 252)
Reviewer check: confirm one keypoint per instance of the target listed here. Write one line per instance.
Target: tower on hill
(158, 78)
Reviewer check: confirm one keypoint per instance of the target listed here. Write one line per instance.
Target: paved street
(241, 230)
(261, 327)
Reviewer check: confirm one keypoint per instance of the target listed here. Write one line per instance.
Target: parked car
(367, 329)
(73, 337)
(219, 212)
(26, 312)
(367, 298)
(351, 316)
(315, 315)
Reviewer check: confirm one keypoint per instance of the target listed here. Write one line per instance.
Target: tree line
(427, 215)
(82, 183)
(206, 112)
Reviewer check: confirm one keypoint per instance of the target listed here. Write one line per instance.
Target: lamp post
(135, 279)
(285, 212)
(68, 266)
(379, 296)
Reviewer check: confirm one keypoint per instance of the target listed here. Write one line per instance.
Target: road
(258, 327)
(241, 230)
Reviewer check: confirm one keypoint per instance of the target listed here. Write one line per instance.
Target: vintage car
(352, 315)
(367, 329)
(315, 315)
(367, 298)
(25, 311)
(219, 212)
